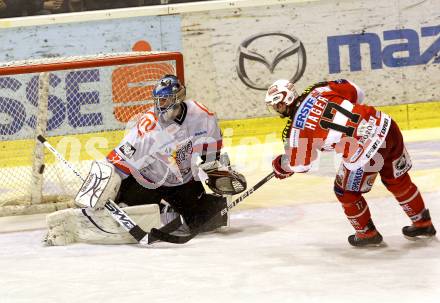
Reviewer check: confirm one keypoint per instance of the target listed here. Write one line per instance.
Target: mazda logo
(244, 53)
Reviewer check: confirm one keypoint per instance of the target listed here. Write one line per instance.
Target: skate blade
(376, 245)
(422, 238)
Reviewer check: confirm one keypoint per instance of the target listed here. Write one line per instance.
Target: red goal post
(82, 105)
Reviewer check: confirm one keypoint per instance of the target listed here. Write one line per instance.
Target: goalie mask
(226, 182)
(280, 96)
(168, 93)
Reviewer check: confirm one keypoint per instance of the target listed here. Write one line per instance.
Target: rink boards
(388, 48)
(235, 132)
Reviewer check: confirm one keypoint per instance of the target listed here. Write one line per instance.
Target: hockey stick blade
(167, 237)
(137, 232)
(160, 235)
(164, 233)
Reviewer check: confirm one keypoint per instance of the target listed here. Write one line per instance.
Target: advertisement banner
(86, 100)
(89, 38)
(386, 47)
(232, 55)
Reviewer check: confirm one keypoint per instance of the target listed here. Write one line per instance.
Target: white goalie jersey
(165, 154)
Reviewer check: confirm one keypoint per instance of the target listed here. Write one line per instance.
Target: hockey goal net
(82, 106)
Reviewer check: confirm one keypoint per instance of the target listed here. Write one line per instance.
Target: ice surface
(282, 254)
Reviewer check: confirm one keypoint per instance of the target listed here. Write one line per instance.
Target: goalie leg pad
(96, 226)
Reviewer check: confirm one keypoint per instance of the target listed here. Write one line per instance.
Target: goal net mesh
(82, 105)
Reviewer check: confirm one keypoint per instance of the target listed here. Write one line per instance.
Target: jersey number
(328, 114)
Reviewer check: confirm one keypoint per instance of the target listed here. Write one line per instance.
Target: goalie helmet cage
(82, 105)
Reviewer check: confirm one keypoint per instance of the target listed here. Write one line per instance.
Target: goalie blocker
(101, 184)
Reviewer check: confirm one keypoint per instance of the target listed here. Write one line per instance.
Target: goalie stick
(121, 216)
(168, 237)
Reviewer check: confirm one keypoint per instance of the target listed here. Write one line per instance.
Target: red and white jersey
(331, 117)
(163, 153)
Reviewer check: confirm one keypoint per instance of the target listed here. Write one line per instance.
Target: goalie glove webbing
(226, 182)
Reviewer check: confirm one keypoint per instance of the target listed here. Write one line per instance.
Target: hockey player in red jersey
(330, 116)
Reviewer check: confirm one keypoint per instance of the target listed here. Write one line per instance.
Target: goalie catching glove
(226, 182)
(222, 179)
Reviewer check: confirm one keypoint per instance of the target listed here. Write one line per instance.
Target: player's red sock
(356, 209)
(409, 197)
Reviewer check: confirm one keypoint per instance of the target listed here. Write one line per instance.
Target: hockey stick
(117, 213)
(167, 237)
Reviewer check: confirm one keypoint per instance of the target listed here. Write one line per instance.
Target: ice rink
(287, 243)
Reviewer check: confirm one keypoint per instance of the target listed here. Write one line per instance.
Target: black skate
(422, 229)
(373, 240)
(370, 238)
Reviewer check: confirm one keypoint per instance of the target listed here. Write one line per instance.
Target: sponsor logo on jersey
(384, 129)
(146, 124)
(381, 136)
(303, 112)
(183, 152)
(373, 148)
(338, 191)
(357, 154)
(365, 130)
(402, 164)
(294, 138)
(114, 158)
(368, 183)
(340, 177)
(355, 180)
(127, 150)
(199, 133)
